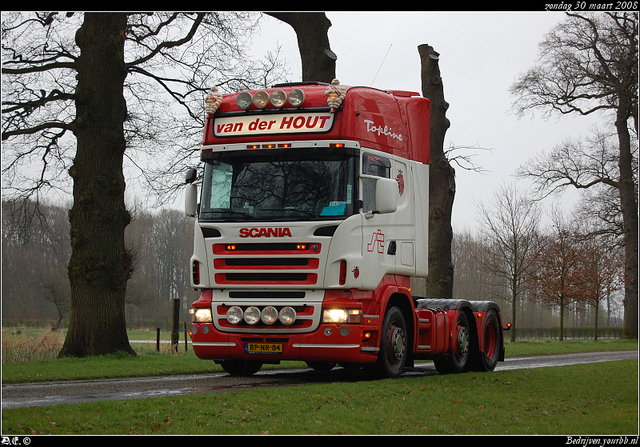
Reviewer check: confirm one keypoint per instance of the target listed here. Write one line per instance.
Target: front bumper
(329, 343)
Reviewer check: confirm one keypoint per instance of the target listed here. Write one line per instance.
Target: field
(594, 399)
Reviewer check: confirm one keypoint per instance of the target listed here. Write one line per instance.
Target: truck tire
(492, 336)
(393, 344)
(457, 360)
(241, 367)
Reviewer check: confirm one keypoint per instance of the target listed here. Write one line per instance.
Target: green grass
(549, 347)
(592, 399)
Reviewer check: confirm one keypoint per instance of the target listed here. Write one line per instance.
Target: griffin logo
(400, 180)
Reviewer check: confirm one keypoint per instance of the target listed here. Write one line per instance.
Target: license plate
(263, 348)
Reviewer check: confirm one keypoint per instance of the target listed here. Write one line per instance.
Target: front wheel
(321, 366)
(241, 367)
(457, 359)
(393, 344)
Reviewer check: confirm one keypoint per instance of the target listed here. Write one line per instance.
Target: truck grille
(266, 263)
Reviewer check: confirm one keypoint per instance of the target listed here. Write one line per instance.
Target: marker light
(278, 98)
(244, 100)
(195, 272)
(261, 99)
(296, 97)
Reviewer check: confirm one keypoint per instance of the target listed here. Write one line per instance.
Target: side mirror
(191, 200)
(386, 195)
(191, 194)
(191, 176)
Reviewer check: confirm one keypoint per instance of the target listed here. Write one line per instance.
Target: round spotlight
(252, 315)
(278, 98)
(234, 315)
(261, 99)
(287, 316)
(244, 100)
(269, 315)
(296, 97)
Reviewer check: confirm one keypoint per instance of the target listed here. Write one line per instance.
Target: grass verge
(591, 399)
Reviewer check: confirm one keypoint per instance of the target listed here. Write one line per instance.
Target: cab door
(379, 227)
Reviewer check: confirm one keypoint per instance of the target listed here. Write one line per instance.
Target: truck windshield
(288, 184)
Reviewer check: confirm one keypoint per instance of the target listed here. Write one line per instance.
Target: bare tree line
(36, 249)
(542, 274)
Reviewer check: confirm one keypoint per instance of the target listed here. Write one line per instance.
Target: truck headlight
(202, 316)
(341, 316)
(269, 315)
(252, 315)
(234, 315)
(287, 315)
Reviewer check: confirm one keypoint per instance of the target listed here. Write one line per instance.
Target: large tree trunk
(318, 61)
(442, 186)
(100, 264)
(629, 207)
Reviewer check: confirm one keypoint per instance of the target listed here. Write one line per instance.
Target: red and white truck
(311, 221)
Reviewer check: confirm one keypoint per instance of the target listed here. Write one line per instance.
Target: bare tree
(35, 252)
(318, 61)
(472, 281)
(557, 279)
(80, 103)
(509, 230)
(442, 184)
(601, 273)
(589, 64)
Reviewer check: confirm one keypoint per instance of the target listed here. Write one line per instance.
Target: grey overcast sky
(481, 54)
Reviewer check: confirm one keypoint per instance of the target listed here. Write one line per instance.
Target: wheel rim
(396, 344)
(463, 341)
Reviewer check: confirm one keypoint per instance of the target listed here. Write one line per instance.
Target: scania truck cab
(311, 217)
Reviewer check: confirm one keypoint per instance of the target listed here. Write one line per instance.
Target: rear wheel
(492, 337)
(393, 344)
(241, 367)
(457, 359)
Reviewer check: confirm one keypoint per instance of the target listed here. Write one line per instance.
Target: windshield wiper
(237, 213)
(308, 213)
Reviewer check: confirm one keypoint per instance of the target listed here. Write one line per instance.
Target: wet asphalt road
(56, 393)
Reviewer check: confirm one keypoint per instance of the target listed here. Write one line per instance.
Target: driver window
(376, 166)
